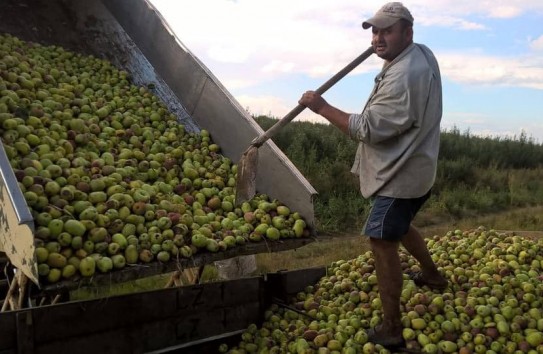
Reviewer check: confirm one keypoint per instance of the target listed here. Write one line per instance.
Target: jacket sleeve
(387, 113)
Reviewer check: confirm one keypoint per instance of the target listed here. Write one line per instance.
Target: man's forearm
(335, 116)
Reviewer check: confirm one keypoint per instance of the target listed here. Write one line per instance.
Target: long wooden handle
(324, 87)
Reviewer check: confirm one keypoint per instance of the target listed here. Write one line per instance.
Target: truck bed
(135, 37)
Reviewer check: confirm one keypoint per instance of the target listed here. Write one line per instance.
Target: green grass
(348, 246)
(319, 253)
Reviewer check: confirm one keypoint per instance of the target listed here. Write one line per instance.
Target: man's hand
(317, 104)
(313, 101)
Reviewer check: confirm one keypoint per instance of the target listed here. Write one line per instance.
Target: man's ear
(409, 33)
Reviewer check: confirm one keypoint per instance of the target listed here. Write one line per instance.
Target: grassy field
(329, 248)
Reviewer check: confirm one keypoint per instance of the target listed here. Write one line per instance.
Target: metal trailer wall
(135, 323)
(191, 319)
(134, 36)
(210, 104)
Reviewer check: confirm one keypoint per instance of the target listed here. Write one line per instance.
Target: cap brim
(380, 22)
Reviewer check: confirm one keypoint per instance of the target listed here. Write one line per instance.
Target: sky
(267, 53)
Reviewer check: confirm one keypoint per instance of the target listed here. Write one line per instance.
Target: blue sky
(267, 53)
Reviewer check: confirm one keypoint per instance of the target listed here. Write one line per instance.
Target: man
(398, 133)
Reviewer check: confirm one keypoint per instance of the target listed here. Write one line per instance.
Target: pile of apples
(112, 177)
(493, 303)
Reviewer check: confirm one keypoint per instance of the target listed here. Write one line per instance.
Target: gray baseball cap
(388, 15)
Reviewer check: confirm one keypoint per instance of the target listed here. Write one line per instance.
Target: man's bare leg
(414, 244)
(389, 281)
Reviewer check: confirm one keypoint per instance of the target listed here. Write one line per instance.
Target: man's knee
(384, 245)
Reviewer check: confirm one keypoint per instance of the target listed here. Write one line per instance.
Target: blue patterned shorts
(390, 218)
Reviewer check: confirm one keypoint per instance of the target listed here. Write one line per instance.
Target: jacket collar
(400, 56)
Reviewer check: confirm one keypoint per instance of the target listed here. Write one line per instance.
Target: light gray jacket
(399, 128)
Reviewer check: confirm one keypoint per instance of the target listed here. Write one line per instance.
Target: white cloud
(504, 11)
(476, 69)
(463, 120)
(450, 21)
(484, 125)
(271, 39)
(276, 66)
(264, 105)
(275, 107)
(234, 84)
(494, 132)
(229, 53)
(253, 42)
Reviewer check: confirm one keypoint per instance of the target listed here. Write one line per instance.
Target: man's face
(391, 41)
